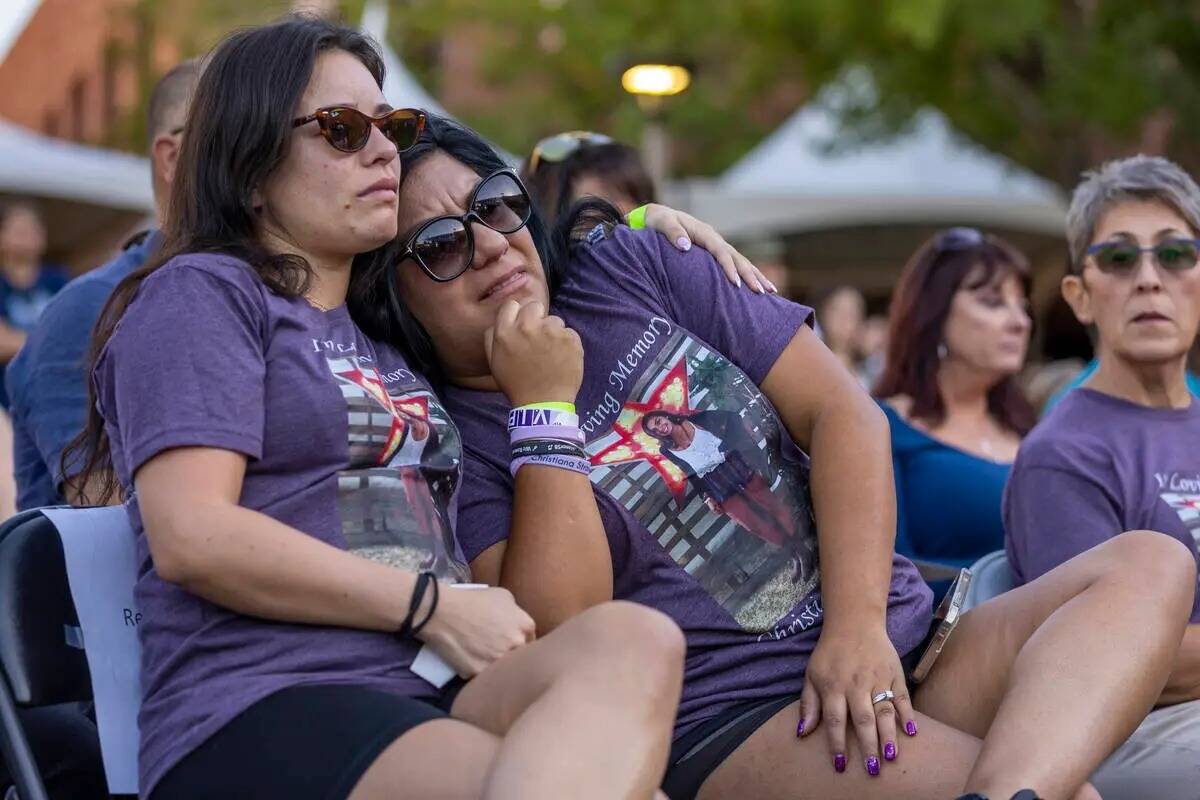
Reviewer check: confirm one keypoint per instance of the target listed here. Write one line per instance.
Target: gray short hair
(1136, 178)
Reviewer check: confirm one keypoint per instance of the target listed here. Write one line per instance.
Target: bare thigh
(774, 765)
(973, 673)
(496, 697)
(442, 759)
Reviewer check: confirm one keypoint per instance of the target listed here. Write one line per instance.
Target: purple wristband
(570, 463)
(524, 416)
(563, 433)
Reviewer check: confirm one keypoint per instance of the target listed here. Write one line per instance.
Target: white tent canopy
(39, 166)
(930, 159)
(794, 181)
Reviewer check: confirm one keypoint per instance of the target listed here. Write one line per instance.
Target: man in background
(47, 380)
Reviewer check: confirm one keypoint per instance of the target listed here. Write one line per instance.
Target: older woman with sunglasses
(291, 485)
(801, 652)
(1123, 450)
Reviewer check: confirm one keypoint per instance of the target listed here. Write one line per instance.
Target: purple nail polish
(800, 729)
(839, 762)
(683, 243)
(889, 751)
(910, 728)
(873, 766)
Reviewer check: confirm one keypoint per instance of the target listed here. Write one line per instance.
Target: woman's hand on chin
(472, 628)
(684, 230)
(534, 358)
(849, 667)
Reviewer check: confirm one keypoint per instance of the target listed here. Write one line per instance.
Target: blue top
(947, 501)
(21, 307)
(1193, 384)
(47, 384)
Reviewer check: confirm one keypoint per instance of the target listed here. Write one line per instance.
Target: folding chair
(991, 576)
(38, 667)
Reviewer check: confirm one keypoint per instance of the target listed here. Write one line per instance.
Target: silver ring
(885, 695)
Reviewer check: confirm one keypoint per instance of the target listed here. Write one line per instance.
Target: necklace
(317, 305)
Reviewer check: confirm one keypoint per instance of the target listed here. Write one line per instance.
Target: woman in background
(959, 332)
(567, 166)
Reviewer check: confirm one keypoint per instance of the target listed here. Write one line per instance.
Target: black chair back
(37, 616)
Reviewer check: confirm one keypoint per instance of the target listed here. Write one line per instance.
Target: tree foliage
(1055, 85)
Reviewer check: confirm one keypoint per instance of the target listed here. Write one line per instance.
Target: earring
(942, 352)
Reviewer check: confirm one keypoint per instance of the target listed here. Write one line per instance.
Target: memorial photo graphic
(1187, 506)
(396, 498)
(695, 454)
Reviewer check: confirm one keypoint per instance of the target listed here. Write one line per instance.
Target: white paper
(101, 559)
(428, 664)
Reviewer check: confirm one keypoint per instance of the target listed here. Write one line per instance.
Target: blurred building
(69, 84)
(74, 71)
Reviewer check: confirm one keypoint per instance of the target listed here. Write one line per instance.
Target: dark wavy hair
(917, 318)
(236, 135)
(373, 299)
(675, 419)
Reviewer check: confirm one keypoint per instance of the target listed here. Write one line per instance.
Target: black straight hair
(237, 133)
(373, 299)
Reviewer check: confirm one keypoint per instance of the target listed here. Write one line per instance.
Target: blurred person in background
(26, 285)
(46, 382)
(958, 336)
(872, 349)
(26, 282)
(1124, 448)
(568, 166)
(840, 317)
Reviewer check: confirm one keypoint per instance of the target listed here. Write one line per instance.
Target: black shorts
(698, 753)
(299, 743)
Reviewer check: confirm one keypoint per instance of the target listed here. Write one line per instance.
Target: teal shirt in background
(947, 500)
(1193, 384)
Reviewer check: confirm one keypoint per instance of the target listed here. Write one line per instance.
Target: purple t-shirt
(719, 535)
(343, 443)
(1095, 467)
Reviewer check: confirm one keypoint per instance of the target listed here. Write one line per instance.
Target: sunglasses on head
(348, 129)
(444, 247)
(556, 148)
(1121, 257)
(958, 239)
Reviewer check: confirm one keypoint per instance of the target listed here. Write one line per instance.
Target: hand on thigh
(774, 765)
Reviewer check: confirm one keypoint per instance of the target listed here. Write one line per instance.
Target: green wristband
(637, 218)
(553, 406)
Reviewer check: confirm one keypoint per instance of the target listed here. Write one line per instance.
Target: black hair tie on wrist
(433, 604)
(414, 604)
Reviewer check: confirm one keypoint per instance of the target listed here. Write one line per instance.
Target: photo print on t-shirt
(395, 497)
(695, 456)
(1183, 496)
